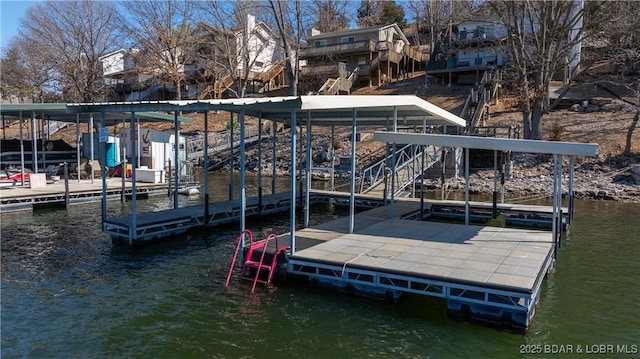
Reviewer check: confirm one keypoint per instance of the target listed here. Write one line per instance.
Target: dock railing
(407, 169)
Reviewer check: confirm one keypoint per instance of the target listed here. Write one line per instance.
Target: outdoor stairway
(260, 262)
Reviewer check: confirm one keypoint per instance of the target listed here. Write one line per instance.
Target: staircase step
(245, 277)
(254, 264)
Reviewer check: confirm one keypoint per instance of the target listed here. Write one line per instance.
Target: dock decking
(17, 198)
(145, 227)
(491, 273)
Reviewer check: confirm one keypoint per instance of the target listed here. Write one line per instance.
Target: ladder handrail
(264, 251)
(235, 256)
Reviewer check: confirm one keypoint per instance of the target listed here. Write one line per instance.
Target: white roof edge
(486, 143)
(311, 103)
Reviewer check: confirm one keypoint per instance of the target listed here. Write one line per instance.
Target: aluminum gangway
(411, 162)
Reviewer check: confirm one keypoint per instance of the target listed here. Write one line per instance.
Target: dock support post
(443, 162)
(494, 211)
(559, 196)
(205, 165)
(554, 215)
(78, 145)
(292, 194)
(466, 186)
(134, 164)
(259, 161)
(176, 161)
(333, 157)
(103, 171)
(243, 200)
(393, 172)
(274, 132)
(34, 143)
(123, 197)
(22, 151)
(308, 172)
(231, 125)
(66, 184)
(571, 198)
(422, 169)
(91, 145)
(352, 200)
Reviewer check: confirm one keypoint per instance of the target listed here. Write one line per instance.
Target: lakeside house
(365, 57)
(475, 46)
(222, 59)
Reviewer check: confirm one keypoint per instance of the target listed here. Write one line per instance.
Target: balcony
(335, 70)
(345, 48)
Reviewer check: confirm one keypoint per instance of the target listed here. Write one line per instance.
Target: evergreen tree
(368, 13)
(390, 13)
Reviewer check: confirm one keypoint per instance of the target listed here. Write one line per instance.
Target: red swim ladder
(259, 266)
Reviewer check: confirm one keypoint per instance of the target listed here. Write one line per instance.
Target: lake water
(68, 292)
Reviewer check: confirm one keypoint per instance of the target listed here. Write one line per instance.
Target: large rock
(599, 101)
(611, 107)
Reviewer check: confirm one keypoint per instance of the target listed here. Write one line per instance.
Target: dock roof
(59, 112)
(486, 143)
(323, 110)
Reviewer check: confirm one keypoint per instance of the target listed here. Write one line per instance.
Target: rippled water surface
(68, 292)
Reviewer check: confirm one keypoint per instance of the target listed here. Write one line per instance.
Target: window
(258, 64)
(319, 43)
(362, 60)
(348, 39)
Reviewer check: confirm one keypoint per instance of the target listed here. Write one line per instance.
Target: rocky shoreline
(530, 177)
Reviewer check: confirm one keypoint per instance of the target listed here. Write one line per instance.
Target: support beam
(78, 146)
(260, 160)
(176, 158)
(243, 199)
(231, 156)
(571, 194)
(134, 165)
(307, 172)
(352, 208)
(34, 143)
(206, 167)
(466, 186)
(274, 131)
(103, 170)
(91, 145)
(292, 173)
(21, 152)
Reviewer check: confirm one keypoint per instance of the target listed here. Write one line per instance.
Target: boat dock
(492, 274)
(18, 198)
(145, 227)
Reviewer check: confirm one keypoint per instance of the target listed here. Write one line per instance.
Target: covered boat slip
(295, 111)
(41, 113)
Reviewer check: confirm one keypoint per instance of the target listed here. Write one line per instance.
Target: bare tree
(614, 29)
(291, 20)
(163, 31)
(331, 15)
(26, 71)
(541, 38)
(73, 35)
(438, 16)
(234, 42)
